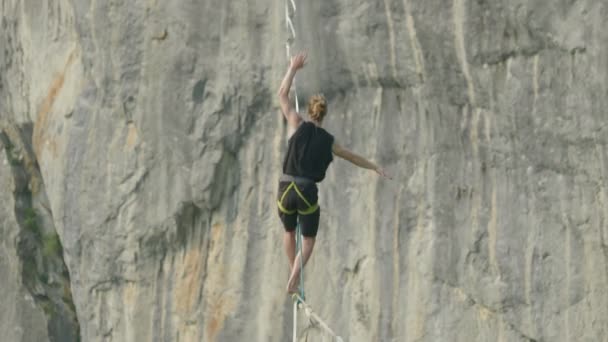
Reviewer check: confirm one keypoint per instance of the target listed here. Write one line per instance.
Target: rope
(301, 286)
(290, 12)
(315, 319)
(299, 240)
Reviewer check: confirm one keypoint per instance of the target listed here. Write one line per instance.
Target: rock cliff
(142, 143)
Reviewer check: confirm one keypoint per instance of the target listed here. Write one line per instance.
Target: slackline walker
(310, 151)
(299, 299)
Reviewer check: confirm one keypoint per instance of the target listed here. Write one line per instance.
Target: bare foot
(292, 290)
(292, 284)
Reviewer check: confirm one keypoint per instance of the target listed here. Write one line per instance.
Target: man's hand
(382, 173)
(298, 61)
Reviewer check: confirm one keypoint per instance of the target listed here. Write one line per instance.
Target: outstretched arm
(297, 62)
(357, 159)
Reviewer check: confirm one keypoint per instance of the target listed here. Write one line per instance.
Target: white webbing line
(315, 319)
(289, 15)
(291, 37)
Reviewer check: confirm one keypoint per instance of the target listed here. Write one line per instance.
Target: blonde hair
(317, 107)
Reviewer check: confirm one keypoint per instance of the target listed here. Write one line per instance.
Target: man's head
(317, 108)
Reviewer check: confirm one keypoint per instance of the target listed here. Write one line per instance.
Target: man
(310, 151)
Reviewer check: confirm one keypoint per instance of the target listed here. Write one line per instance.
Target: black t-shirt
(309, 153)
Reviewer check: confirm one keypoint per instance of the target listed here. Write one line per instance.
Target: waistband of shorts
(296, 179)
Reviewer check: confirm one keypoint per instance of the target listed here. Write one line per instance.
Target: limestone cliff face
(141, 146)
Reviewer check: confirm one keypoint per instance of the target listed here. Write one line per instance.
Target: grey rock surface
(150, 141)
(20, 318)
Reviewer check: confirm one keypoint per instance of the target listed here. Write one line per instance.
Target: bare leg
(289, 243)
(307, 246)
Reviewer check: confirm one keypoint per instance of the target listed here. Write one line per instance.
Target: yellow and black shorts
(298, 201)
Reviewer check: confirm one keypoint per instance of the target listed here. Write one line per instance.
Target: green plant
(30, 268)
(43, 277)
(48, 307)
(12, 154)
(51, 245)
(12, 159)
(30, 220)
